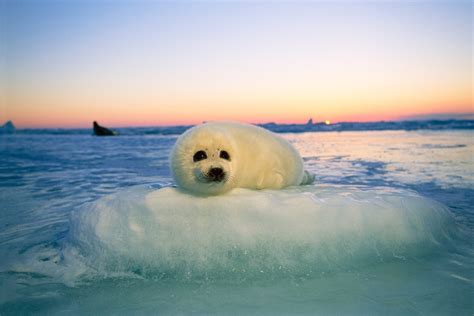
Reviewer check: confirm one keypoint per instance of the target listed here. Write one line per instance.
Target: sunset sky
(141, 63)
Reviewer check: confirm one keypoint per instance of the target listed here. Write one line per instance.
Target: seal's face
(209, 168)
(202, 161)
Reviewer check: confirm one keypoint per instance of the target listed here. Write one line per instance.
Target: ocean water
(93, 225)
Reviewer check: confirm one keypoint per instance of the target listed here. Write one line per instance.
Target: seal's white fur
(259, 159)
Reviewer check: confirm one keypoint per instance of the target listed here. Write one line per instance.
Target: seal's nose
(216, 174)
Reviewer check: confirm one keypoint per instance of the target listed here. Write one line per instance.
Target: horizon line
(421, 117)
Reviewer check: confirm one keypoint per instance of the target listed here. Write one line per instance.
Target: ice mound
(299, 230)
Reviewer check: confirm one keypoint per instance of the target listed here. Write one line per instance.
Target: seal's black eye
(199, 155)
(224, 155)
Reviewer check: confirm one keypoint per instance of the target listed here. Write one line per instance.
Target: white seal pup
(214, 158)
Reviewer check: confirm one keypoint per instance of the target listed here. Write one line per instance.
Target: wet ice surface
(44, 178)
(436, 164)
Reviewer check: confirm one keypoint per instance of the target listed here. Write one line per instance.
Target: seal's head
(202, 160)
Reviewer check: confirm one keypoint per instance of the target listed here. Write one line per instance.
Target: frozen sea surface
(91, 226)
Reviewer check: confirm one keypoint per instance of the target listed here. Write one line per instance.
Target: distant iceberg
(101, 130)
(7, 128)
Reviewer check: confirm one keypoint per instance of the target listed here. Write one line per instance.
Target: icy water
(91, 226)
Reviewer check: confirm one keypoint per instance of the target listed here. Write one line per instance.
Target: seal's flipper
(308, 178)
